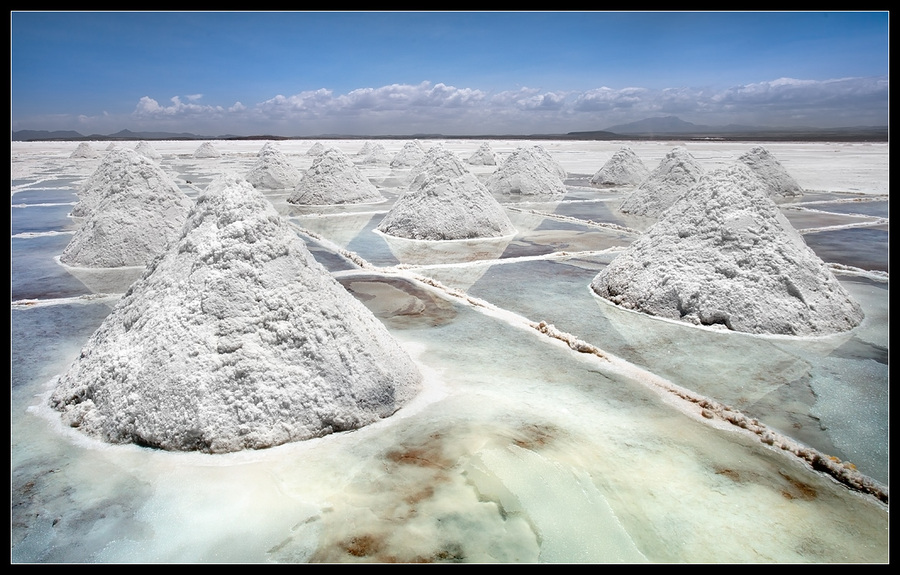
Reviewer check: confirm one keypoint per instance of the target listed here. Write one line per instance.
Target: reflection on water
(519, 449)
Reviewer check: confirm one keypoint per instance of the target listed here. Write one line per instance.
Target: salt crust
(528, 171)
(334, 179)
(724, 255)
(132, 210)
(235, 338)
(445, 201)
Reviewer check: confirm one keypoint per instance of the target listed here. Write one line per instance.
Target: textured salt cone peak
(146, 149)
(483, 156)
(676, 173)
(334, 179)
(725, 255)
(315, 149)
(625, 168)
(84, 150)
(374, 154)
(409, 155)
(273, 170)
(768, 169)
(207, 150)
(236, 338)
(528, 171)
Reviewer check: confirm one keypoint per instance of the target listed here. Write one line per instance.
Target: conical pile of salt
(133, 210)
(777, 180)
(84, 150)
(236, 338)
(273, 170)
(445, 202)
(315, 149)
(334, 179)
(207, 150)
(625, 168)
(408, 156)
(147, 150)
(483, 156)
(724, 255)
(528, 171)
(375, 154)
(674, 175)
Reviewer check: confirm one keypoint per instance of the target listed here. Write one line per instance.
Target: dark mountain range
(662, 128)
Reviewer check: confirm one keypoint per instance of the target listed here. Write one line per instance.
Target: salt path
(207, 150)
(445, 201)
(677, 172)
(624, 168)
(724, 255)
(146, 149)
(528, 171)
(483, 156)
(84, 150)
(236, 338)
(273, 170)
(334, 179)
(132, 210)
(779, 183)
(409, 155)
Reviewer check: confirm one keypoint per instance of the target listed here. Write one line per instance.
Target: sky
(453, 73)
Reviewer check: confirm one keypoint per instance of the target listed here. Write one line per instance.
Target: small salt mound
(777, 180)
(483, 156)
(446, 202)
(315, 149)
(625, 168)
(375, 154)
(725, 255)
(334, 179)
(236, 338)
(207, 150)
(273, 170)
(674, 175)
(84, 150)
(112, 146)
(147, 150)
(408, 156)
(528, 171)
(138, 210)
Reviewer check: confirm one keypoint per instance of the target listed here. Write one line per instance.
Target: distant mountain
(24, 135)
(675, 125)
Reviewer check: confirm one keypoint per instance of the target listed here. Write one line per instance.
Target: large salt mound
(315, 149)
(528, 171)
(207, 150)
(777, 180)
(235, 339)
(334, 179)
(273, 170)
(625, 168)
(674, 175)
(724, 254)
(445, 202)
(84, 150)
(135, 211)
(146, 149)
(373, 154)
(409, 155)
(483, 156)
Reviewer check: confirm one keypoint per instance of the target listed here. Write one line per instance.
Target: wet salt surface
(520, 449)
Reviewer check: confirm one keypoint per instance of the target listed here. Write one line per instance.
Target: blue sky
(400, 73)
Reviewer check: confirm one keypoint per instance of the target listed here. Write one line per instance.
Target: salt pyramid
(777, 180)
(112, 146)
(273, 170)
(483, 156)
(409, 155)
(445, 202)
(236, 338)
(373, 154)
(315, 149)
(723, 254)
(334, 179)
(528, 171)
(207, 150)
(625, 168)
(676, 173)
(133, 210)
(146, 149)
(84, 150)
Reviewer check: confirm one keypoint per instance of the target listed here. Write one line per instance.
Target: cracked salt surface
(519, 449)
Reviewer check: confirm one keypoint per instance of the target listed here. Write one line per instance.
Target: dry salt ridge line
(699, 407)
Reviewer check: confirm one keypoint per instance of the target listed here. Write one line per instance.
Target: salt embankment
(236, 338)
(724, 255)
